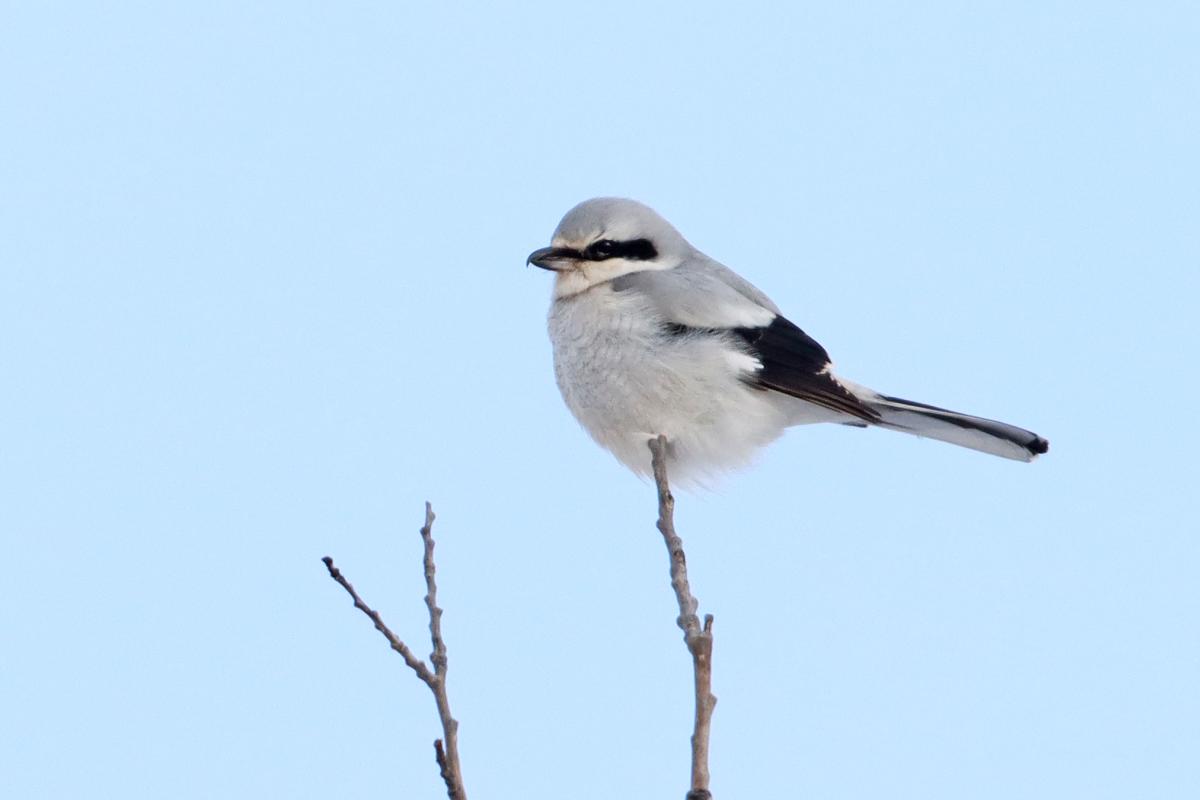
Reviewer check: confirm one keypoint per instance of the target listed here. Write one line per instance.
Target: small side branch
(435, 679)
(414, 663)
(699, 639)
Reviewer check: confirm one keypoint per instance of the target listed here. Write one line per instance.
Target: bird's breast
(627, 378)
(605, 349)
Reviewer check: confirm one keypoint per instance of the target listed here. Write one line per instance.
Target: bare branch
(449, 763)
(699, 640)
(447, 758)
(438, 656)
(448, 773)
(417, 665)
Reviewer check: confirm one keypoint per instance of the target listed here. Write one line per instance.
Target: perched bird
(653, 337)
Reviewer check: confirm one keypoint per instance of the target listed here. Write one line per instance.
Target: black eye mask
(635, 250)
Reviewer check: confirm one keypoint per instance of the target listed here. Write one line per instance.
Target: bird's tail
(985, 435)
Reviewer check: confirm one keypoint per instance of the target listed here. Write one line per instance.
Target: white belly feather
(627, 380)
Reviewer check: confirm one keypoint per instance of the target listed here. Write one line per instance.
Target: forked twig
(435, 679)
(699, 640)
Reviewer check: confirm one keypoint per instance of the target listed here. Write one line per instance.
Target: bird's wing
(702, 297)
(700, 293)
(795, 364)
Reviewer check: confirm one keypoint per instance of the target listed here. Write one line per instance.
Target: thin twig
(435, 679)
(439, 754)
(450, 765)
(699, 639)
(417, 665)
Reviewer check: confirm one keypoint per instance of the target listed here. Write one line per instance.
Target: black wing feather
(793, 363)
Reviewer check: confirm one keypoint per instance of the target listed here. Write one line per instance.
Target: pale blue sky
(263, 294)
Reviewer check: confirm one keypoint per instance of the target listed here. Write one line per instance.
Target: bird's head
(605, 238)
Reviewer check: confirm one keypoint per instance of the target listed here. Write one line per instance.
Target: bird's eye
(605, 248)
(636, 250)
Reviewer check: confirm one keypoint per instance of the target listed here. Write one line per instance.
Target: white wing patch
(742, 362)
(741, 315)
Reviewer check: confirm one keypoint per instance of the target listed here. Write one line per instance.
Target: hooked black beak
(555, 259)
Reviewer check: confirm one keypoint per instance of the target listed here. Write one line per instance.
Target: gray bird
(653, 337)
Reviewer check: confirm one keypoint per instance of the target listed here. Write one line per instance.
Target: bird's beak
(555, 259)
